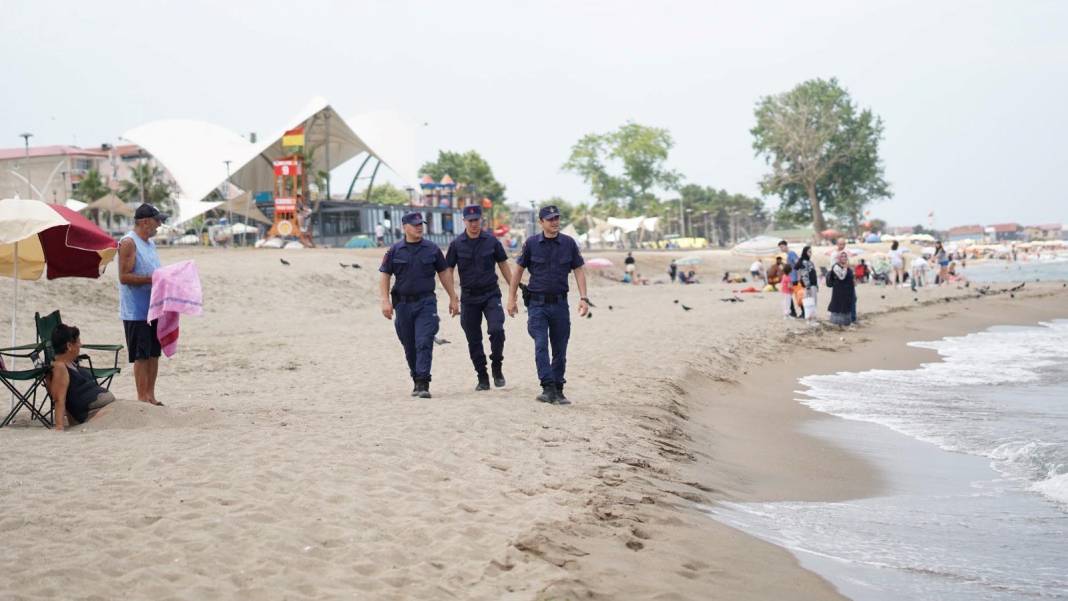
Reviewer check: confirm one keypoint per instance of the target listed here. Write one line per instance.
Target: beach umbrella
(761, 246)
(598, 263)
(831, 233)
(35, 236)
(691, 260)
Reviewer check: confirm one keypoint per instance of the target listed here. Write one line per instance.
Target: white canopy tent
(195, 153)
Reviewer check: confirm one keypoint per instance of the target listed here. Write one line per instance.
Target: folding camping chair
(34, 397)
(103, 375)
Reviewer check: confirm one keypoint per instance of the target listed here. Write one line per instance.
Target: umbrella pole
(14, 313)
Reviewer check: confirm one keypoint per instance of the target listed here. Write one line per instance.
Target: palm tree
(91, 189)
(149, 178)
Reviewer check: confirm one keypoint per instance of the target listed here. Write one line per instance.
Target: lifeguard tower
(290, 208)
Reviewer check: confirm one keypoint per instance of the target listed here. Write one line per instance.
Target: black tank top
(81, 391)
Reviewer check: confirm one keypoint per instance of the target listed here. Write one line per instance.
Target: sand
(290, 462)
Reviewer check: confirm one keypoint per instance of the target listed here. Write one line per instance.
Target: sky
(973, 94)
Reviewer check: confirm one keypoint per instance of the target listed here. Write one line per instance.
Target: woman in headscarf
(805, 273)
(843, 292)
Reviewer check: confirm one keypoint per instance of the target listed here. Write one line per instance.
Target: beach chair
(102, 375)
(28, 385)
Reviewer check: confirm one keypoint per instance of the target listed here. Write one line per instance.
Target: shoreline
(765, 448)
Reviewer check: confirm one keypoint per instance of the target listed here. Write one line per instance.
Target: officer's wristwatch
(584, 299)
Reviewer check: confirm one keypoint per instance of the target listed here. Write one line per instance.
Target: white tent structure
(196, 153)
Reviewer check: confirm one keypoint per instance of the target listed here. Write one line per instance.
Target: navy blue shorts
(141, 340)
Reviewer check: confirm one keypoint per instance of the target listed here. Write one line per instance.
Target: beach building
(1006, 232)
(339, 221)
(1046, 231)
(966, 232)
(51, 173)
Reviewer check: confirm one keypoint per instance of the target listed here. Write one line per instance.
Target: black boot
(498, 376)
(548, 393)
(424, 389)
(415, 387)
(560, 398)
(483, 382)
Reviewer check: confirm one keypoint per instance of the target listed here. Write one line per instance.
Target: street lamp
(141, 176)
(229, 209)
(682, 219)
(29, 187)
(532, 214)
(688, 223)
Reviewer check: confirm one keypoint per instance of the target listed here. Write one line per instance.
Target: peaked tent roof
(194, 152)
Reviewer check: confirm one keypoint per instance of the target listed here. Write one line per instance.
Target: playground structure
(291, 212)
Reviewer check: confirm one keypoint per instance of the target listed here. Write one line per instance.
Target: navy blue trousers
(471, 322)
(416, 324)
(550, 326)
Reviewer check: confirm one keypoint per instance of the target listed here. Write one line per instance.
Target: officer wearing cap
(137, 260)
(550, 257)
(474, 253)
(414, 261)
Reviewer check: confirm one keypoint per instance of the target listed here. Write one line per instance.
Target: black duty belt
(404, 298)
(548, 298)
(473, 291)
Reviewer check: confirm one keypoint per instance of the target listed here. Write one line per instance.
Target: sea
(975, 449)
(1047, 269)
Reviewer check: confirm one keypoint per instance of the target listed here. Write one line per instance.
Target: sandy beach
(290, 462)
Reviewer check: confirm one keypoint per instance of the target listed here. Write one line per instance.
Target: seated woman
(952, 274)
(74, 391)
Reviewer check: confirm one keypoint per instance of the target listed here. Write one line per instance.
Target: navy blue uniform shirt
(414, 265)
(477, 258)
(549, 261)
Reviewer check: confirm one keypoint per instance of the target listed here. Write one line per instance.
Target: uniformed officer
(475, 252)
(550, 257)
(414, 261)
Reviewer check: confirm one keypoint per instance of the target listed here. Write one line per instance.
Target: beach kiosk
(290, 209)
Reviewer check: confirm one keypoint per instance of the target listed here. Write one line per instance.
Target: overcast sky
(973, 94)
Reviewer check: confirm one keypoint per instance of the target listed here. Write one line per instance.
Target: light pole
(689, 223)
(532, 218)
(141, 175)
(29, 187)
(229, 209)
(682, 218)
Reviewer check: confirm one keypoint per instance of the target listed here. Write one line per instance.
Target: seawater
(976, 448)
(1047, 269)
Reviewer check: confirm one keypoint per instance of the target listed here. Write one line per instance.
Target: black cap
(472, 212)
(413, 218)
(548, 212)
(147, 211)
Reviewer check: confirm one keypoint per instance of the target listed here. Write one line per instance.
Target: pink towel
(175, 290)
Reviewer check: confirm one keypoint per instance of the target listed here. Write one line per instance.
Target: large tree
(385, 193)
(823, 151)
(625, 165)
(468, 169)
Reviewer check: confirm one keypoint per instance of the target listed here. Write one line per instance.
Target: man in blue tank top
(137, 260)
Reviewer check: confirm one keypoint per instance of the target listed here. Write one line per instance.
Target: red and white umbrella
(598, 263)
(38, 238)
